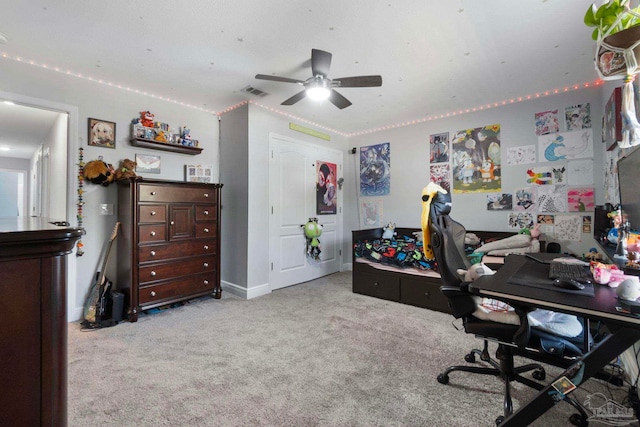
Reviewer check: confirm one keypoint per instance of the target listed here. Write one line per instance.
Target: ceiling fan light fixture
(318, 91)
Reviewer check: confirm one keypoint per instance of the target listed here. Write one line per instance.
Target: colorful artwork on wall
(581, 199)
(476, 160)
(439, 148)
(566, 145)
(440, 173)
(526, 199)
(547, 122)
(577, 117)
(499, 201)
(326, 191)
(375, 170)
(520, 220)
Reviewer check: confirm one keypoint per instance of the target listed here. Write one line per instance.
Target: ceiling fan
(319, 86)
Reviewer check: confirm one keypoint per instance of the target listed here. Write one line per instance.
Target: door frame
(339, 215)
(71, 111)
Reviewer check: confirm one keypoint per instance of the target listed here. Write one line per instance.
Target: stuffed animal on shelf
(99, 172)
(126, 170)
(146, 119)
(185, 136)
(161, 136)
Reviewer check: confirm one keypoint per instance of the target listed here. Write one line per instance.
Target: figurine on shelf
(146, 119)
(185, 136)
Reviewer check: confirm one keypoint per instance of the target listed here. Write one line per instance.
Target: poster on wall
(476, 160)
(371, 212)
(326, 194)
(441, 175)
(439, 148)
(578, 117)
(566, 145)
(520, 220)
(568, 227)
(547, 122)
(521, 155)
(526, 199)
(581, 199)
(375, 170)
(552, 198)
(580, 172)
(499, 202)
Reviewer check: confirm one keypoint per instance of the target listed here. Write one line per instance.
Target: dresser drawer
(206, 212)
(377, 285)
(177, 194)
(424, 293)
(152, 233)
(169, 270)
(169, 251)
(176, 289)
(206, 230)
(152, 213)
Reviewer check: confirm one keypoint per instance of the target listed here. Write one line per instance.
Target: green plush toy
(313, 230)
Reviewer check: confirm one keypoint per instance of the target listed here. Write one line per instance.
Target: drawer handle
(153, 273)
(153, 213)
(206, 282)
(206, 230)
(153, 233)
(153, 193)
(206, 212)
(206, 264)
(375, 283)
(206, 195)
(427, 294)
(153, 293)
(153, 253)
(206, 247)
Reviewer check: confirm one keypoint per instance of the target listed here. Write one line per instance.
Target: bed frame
(409, 285)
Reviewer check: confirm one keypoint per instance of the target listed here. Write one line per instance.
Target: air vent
(254, 91)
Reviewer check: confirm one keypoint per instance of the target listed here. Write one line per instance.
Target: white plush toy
(498, 311)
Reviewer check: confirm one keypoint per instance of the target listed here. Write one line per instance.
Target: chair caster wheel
(499, 420)
(443, 379)
(539, 374)
(471, 357)
(578, 420)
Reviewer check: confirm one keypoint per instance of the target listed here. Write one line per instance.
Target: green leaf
(590, 16)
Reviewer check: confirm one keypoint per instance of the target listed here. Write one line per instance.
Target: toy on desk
(629, 289)
(389, 231)
(607, 274)
(592, 255)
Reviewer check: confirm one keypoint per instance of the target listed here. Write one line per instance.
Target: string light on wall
(80, 204)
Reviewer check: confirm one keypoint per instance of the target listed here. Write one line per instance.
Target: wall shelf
(174, 148)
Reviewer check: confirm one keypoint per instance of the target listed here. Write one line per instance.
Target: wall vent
(254, 91)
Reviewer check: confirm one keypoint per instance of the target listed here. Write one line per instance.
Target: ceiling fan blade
(320, 62)
(278, 79)
(339, 100)
(359, 81)
(295, 98)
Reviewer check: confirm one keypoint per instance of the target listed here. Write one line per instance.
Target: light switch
(106, 209)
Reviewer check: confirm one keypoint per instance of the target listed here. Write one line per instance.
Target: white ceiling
(23, 129)
(434, 56)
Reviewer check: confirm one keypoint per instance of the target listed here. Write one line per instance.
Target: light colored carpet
(314, 354)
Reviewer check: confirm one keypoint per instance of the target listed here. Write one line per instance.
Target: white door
(292, 195)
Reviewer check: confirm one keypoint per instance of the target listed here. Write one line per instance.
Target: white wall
(410, 162)
(100, 101)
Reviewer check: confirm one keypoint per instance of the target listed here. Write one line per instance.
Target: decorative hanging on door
(313, 230)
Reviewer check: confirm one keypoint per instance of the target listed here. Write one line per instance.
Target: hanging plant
(610, 18)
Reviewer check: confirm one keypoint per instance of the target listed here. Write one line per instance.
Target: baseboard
(347, 266)
(244, 293)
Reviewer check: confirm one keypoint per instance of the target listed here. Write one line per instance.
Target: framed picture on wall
(102, 133)
(198, 173)
(147, 163)
(612, 126)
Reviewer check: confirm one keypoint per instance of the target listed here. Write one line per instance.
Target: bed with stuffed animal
(395, 268)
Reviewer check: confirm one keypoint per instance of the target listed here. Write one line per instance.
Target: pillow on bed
(515, 241)
(534, 246)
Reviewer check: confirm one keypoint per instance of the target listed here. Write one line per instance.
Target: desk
(625, 328)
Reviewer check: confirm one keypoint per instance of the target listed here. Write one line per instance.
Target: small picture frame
(147, 163)
(198, 173)
(101, 133)
(612, 120)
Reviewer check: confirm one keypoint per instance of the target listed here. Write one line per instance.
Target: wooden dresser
(33, 330)
(169, 245)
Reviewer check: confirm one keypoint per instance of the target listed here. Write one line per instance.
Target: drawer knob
(206, 282)
(153, 273)
(172, 222)
(206, 264)
(426, 294)
(375, 283)
(206, 195)
(206, 212)
(153, 253)
(153, 213)
(153, 293)
(206, 247)
(153, 193)
(153, 233)
(206, 230)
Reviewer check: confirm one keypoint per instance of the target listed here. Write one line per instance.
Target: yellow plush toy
(428, 193)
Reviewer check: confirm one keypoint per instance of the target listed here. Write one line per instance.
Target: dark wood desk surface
(602, 306)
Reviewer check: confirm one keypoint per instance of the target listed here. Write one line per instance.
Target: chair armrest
(459, 300)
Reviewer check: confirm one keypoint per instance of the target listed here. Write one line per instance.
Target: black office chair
(447, 242)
